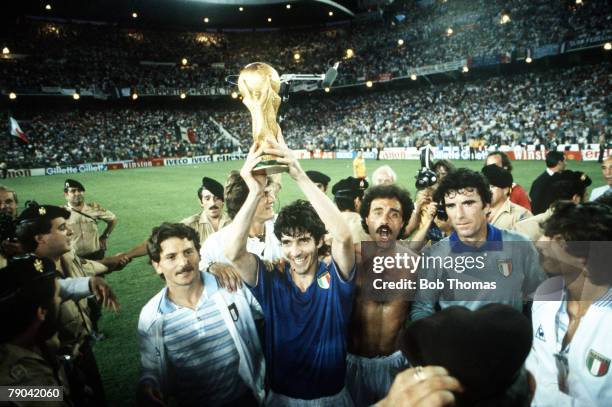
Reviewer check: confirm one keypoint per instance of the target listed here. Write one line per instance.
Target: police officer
(43, 230)
(504, 213)
(29, 310)
(8, 214)
(212, 217)
(83, 221)
(348, 194)
(321, 180)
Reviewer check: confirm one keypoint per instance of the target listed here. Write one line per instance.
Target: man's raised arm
(343, 251)
(238, 230)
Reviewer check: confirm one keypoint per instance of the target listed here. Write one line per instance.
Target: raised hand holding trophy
(259, 85)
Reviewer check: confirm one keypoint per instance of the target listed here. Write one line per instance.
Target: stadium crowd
(563, 106)
(104, 59)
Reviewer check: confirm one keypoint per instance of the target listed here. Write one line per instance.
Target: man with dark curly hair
(572, 311)
(374, 358)
(478, 263)
(307, 303)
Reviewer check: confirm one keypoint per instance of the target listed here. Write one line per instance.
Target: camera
(425, 178)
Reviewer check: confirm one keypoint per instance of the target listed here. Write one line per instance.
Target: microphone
(330, 75)
(327, 79)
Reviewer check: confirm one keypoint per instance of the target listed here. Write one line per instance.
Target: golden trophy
(259, 85)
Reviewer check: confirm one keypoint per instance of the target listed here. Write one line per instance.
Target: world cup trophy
(259, 85)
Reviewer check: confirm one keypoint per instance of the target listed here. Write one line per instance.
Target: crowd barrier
(589, 152)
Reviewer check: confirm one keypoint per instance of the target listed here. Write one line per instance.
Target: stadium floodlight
(465, 69)
(369, 84)
(206, 19)
(76, 96)
(12, 96)
(297, 56)
(413, 77)
(183, 95)
(234, 95)
(608, 46)
(6, 51)
(184, 61)
(528, 60)
(400, 42)
(449, 31)
(48, 7)
(349, 53)
(134, 15)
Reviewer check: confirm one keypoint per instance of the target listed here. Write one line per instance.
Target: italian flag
(186, 134)
(16, 130)
(597, 364)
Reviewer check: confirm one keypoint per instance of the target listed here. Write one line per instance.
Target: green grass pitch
(143, 198)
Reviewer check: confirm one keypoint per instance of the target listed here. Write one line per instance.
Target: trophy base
(270, 167)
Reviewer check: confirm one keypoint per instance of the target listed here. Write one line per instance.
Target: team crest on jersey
(540, 334)
(324, 280)
(505, 267)
(597, 364)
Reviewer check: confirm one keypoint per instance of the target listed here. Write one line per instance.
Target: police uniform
(579, 374)
(84, 224)
(509, 215)
(28, 366)
(200, 223)
(75, 324)
(531, 228)
(348, 189)
(318, 178)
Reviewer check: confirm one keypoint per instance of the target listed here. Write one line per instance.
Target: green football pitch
(143, 198)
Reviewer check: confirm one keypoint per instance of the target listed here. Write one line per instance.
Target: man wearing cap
(198, 342)
(44, 231)
(348, 193)
(503, 263)
(518, 195)
(29, 311)
(504, 213)
(374, 359)
(572, 311)
(321, 180)
(566, 185)
(83, 221)
(555, 162)
(212, 217)
(606, 170)
(261, 240)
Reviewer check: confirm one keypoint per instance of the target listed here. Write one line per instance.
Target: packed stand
(102, 59)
